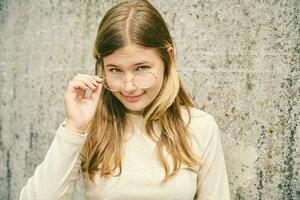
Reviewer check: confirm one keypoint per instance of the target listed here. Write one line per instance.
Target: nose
(129, 86)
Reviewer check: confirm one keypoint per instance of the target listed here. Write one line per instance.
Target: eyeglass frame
(124, 81)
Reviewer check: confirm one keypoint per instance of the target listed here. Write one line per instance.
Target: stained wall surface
(239, 60)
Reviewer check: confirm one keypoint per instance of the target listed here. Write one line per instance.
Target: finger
(78, 89)
(87, 82)
(92, 79)
(96, 93)
(97, 78)
(76, 84)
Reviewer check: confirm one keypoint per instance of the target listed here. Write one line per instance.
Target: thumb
(96, 93)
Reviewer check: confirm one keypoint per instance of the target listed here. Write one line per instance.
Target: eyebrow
(136, 64)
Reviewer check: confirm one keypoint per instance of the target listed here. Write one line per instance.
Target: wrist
(71, 126)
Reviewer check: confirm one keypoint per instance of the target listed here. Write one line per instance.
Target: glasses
(141, 80)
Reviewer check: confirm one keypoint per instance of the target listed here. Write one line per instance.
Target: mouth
(134, 98)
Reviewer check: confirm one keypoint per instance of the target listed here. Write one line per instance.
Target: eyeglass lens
(142, 80)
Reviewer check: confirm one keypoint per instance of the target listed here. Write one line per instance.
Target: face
(127, 62)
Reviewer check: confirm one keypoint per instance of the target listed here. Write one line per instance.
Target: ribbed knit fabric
(141, 174)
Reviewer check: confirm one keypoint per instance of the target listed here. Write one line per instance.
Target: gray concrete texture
(239, 59)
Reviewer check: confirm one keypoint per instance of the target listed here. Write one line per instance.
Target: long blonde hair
(140, 23)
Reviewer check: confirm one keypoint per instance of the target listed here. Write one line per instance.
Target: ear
(170, 52)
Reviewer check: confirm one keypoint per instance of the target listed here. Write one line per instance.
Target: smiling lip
(132, 98)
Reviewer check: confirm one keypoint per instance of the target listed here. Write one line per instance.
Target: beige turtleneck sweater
(141, 174)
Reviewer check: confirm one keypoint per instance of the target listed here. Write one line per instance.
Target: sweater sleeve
(55, 177)
(212, 181)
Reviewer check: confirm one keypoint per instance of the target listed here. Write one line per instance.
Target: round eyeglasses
(141, 80)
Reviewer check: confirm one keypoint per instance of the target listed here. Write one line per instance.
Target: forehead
(132, 54)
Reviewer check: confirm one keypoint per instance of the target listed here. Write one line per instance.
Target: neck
(140, 112)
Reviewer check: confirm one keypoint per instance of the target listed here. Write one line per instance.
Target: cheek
(159, 82)
(156, 88)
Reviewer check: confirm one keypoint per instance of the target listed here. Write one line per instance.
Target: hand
(80, 109)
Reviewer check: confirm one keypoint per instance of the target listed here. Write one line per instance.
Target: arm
(55, 177)
(212, 182)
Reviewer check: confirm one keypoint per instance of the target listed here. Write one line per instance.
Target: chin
(135, 108)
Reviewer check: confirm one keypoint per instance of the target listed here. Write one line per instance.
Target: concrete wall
(238, 58)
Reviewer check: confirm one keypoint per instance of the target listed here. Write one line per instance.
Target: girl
(138, 136)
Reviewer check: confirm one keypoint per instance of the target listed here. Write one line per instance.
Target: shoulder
(197, 116)
(202, 127)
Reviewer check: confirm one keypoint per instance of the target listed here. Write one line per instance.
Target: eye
(143, 67)
(114, 70)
